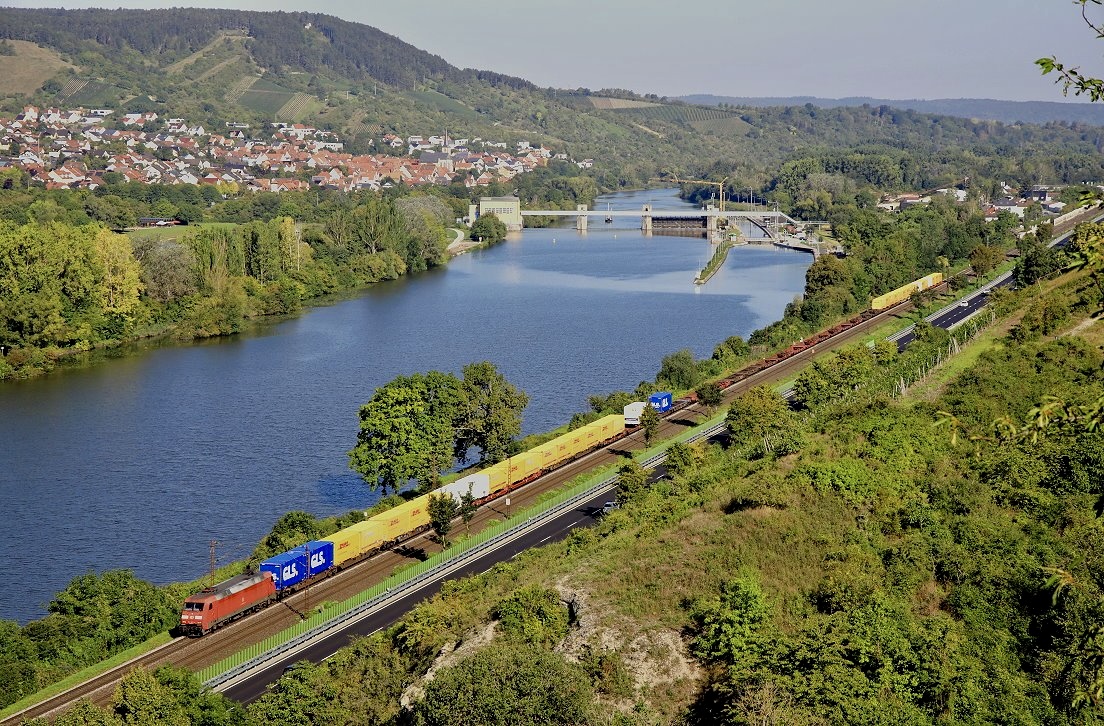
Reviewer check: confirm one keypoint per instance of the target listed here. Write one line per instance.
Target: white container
(632, 413)
(480, 487)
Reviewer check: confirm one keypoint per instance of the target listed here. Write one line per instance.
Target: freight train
(297, 568)
(903, 293)
(301, 566)
(878, 305)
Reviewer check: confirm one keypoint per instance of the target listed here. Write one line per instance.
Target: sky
(828, 48)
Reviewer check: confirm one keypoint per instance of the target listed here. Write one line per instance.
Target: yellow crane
(720, 185)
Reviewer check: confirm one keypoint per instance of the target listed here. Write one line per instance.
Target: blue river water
(141, 460)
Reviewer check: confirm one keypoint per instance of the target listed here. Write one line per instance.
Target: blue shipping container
(321, 556)
(660, 401)
(287, 568)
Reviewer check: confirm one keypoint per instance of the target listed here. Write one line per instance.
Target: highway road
(960, 311)
(583, 515)
(968, 306)
(252, 686)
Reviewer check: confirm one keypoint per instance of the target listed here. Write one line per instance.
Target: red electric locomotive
(221, 603)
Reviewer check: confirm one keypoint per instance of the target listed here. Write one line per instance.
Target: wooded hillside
(363, 82)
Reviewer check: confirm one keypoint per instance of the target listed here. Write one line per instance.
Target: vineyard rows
(238, 89)
(267, 102)
(677, 114)
(72, 87)
(294, 109)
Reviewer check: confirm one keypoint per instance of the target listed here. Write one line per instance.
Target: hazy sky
(830, 48)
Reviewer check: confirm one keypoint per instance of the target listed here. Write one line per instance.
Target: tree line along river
(141, 460)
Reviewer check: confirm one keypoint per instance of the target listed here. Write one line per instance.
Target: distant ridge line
(988, 109)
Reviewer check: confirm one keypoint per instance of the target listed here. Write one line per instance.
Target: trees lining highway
(195, 659)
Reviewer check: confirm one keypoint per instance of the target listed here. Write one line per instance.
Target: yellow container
(574, 443)
(369, 532)
(524, 465)
(551, 452)
(905, 291)
(401, 520)
(496, 477)
(609, 426)
(396, 523)
(347, 544)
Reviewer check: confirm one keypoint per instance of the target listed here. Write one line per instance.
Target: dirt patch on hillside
(449, 656)
(29, 68)
(658, 660)
(1081, 327)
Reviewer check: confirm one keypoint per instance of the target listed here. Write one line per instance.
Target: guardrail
(415, 576)
(991, 284)
(983, 290)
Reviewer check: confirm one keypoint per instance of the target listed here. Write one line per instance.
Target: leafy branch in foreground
(1051, 413)
(1072, 78)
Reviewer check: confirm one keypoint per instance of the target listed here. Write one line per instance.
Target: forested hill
(213, 67)
(1035, 112)
(305, 42)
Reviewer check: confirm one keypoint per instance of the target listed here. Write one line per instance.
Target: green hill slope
(212, 66)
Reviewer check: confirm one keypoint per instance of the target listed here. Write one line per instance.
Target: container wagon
(904, 292)
(285, 572)
(661, 401)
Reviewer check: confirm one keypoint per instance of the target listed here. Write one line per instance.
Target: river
(140, 461)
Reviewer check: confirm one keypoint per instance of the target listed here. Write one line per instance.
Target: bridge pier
(581, 220)
(646, 220)
(711, 222)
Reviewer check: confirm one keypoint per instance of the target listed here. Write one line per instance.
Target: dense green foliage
(70, 286)
(488, 228)
(414, 427)
(65, 286)
(166, 697)
(760, 422)
(442, 510)
(507, 684)
(533, 615)
(93, 618)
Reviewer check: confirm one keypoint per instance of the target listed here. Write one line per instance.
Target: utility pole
(211, 565)
(306, 593)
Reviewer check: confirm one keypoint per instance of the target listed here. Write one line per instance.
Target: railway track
(198, 653)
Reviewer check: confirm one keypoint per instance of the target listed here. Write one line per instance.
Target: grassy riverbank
(715, 262)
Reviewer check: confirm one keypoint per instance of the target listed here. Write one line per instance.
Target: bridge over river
(708, 220)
